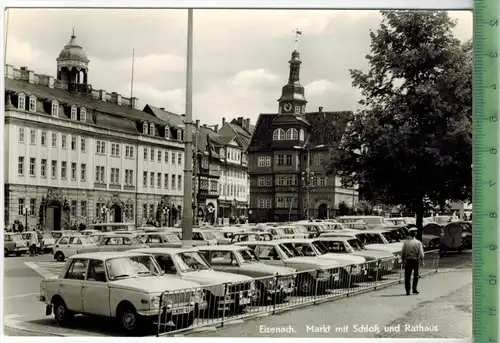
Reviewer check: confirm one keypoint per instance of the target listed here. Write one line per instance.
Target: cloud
(240, 56)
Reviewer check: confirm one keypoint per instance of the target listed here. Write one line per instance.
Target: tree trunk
(419, 214)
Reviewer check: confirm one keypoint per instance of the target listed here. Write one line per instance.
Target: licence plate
(244, 301)
(181, 310)
(336, 278)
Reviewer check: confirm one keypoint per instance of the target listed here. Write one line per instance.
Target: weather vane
(297, 34)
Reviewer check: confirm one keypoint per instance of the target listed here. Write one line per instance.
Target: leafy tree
(411, 141)
(344, 209)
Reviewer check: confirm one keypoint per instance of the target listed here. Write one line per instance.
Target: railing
(217, 304)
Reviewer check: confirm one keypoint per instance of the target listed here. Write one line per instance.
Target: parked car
(219, 236)
(429, 242)
(162, 239)
(112, 227)
(250, 236)
(349, 245)
(114, 241)
(273, 283)
(13, 243)
(313, 228)
(189, 264)
(122, 285)
(67, 246)
(317, 273)
(371, 221)
(200, 237)
(351, 267)
(467, 234)
(282, 232)
(48, 242)
(452, 238)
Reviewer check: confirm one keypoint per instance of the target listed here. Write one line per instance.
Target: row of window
(267, 181)
(280, 203)
(150, 154)
(281, 160)
(31, 208)
(53, 168)
(150, 129)
(148, 211)
(21, 105)
(234, 173)
(158, 179)
(288, 135)
(232, 190)
(54, 139)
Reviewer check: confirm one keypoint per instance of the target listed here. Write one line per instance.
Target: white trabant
(115, 241)
(67, 246)
(123, 285)
(222, 290)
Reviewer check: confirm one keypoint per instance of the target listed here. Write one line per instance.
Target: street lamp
(308, 175)
(25, 213)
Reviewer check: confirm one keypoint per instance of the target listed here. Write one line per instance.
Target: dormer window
(292, 135)
(55, 108)
(167, 132)
(152, 129)
(74, 112)
(21, 101)
(32, 107)
(301, 135)
(83, 114)
(145, 128)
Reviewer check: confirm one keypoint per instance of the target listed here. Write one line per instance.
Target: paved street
(24, 315)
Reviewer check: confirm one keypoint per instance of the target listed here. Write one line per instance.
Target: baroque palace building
(74, 154)
(287, 155)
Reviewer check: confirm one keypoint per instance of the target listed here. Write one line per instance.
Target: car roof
(231, 247)
(272, 242)
(339, 238)
(106, 255)
(164, 250)
(295, 240)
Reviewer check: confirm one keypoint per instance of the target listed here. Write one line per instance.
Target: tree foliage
(411, 141)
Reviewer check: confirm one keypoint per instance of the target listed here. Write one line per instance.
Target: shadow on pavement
(391, 295)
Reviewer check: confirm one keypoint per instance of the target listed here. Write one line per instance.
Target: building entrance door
(116, 214)
(53, 222)
(323, 211)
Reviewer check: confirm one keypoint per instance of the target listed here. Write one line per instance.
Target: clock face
(287, 107)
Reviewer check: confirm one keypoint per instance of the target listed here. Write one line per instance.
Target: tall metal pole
(195, 175)
(308, 175)
(7, 13)
(187, 218)
(132, 77)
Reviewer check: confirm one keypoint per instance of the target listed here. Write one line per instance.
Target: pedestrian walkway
(46, 269)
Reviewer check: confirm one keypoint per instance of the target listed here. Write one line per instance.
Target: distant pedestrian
(412, 255)
(33, 243)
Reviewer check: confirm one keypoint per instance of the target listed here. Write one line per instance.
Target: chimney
(240, 121)
(9, 71)
(216, 127)
(102, 94)
(204, 125)
(162, 108)
(223, 121)
(320, 109)
(31, 76)
(118, 99)
(51, 82)
(197, 123)
(133, 102)
(246, 124)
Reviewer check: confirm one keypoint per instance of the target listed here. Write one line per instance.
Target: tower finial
(297, 34)
(73, 35)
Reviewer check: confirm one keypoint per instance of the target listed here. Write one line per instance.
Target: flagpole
(132, 78)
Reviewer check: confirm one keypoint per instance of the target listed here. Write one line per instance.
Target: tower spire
(296, 41)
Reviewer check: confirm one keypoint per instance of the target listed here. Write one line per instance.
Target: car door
(268, 254)
(9, 243)
(62, 244)
(70, 288)
(95, 290)
(110, 244)
(74, 245)
(224, 261)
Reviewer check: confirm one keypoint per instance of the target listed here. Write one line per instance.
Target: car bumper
(174, 310)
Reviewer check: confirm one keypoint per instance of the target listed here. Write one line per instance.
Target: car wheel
(61, 312)
(5, 252)
(59, 256)
(129, 320)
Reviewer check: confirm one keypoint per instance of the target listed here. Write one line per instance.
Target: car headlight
(252, 285)
(155, 302)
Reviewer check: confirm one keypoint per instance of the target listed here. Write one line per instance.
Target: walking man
(33, 243)
(413, 253)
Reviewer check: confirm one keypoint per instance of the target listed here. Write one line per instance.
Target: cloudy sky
(240, 56)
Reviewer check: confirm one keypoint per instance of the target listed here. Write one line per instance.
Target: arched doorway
(116, 213)
(53, 216)
(323, 211)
